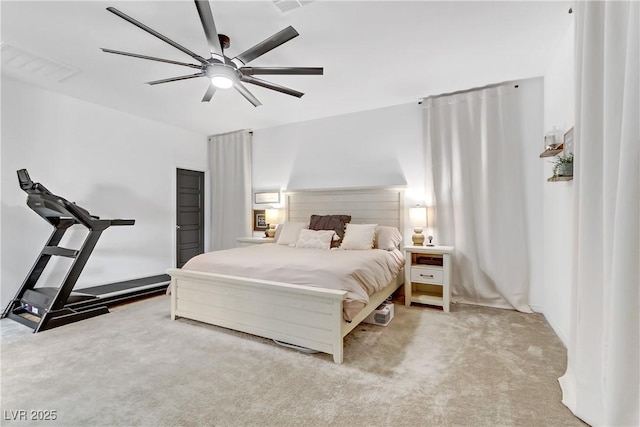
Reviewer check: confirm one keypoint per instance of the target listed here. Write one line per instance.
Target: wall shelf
(551, 153)
(560, 178)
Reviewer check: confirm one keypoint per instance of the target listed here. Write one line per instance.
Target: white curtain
(602, 382)
(230, 165)
(475, 174)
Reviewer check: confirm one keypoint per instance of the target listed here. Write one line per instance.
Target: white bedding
(359, 272)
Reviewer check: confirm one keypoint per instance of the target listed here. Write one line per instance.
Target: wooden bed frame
(301, 315)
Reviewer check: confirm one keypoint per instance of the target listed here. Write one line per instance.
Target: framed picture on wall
(263, 197)
(568, 142)
(259, 220)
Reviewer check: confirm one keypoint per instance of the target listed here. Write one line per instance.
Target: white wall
(113, 164)
(380, 147)
(531, 100)
(558, 196)
(369, 148)
(384, 147)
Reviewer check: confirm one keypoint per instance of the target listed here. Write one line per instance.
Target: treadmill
(42, 308)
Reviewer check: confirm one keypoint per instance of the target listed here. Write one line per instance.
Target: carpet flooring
(475, 366)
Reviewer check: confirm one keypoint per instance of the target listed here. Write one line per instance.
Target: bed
(308, 316)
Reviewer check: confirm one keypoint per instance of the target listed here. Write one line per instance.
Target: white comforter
(360, 273)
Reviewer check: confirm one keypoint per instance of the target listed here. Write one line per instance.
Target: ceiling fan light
(221, 82)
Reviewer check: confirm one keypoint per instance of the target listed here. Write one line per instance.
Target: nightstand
(248, 241)
(427, 275)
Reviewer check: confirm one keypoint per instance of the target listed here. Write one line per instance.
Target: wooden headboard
(382, 206)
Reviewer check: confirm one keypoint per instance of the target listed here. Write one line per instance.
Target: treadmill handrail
(42, 201)
(122, 221)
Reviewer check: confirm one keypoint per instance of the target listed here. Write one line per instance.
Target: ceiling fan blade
(209, 27)
(250, 71)
(245, 92)
(272, 86)
(135, 55)
(175, 79)
(157, 34)
(265, 46)
(209, 93)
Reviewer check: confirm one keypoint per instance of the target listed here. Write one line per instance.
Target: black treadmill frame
(56, 310)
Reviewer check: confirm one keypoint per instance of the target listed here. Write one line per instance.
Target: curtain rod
(233, 131)
(505, 83)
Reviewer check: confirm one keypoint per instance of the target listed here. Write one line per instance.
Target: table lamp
(271, 217)
(418, 220)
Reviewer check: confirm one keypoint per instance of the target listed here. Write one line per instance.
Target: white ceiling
(375, 54)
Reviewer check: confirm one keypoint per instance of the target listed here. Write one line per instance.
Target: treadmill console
(29, 186)
(25, 180)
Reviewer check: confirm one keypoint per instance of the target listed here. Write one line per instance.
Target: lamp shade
(418, 216)
(272, 215)
(431, 216)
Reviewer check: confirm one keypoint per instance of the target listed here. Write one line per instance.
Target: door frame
(174, 207)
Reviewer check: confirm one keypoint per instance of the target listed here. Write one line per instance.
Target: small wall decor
(259, 220)
(263, 197)
(563, 165)
(553, 139)
(568, 142)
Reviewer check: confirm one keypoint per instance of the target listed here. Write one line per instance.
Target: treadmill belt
(110, 288)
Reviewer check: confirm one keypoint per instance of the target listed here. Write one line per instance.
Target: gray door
(190, 215)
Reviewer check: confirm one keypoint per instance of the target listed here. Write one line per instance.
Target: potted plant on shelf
(563, 165)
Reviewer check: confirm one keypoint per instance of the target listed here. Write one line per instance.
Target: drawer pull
(426, 275)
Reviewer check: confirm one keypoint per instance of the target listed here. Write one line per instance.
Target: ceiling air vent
(19, 60)
(288, 5)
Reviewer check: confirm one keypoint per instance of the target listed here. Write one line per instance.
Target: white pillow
(278, 231)
(290, 232)
(387, 238)
(358, 236)
(316, 239)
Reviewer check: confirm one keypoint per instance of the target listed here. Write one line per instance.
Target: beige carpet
(473, 367)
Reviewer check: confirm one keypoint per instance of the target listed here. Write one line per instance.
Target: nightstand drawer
(427, 275)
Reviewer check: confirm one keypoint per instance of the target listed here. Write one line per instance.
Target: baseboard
(537, 308)
(458, 300)
(557, 330)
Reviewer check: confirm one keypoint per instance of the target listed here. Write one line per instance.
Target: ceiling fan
(224, 72)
